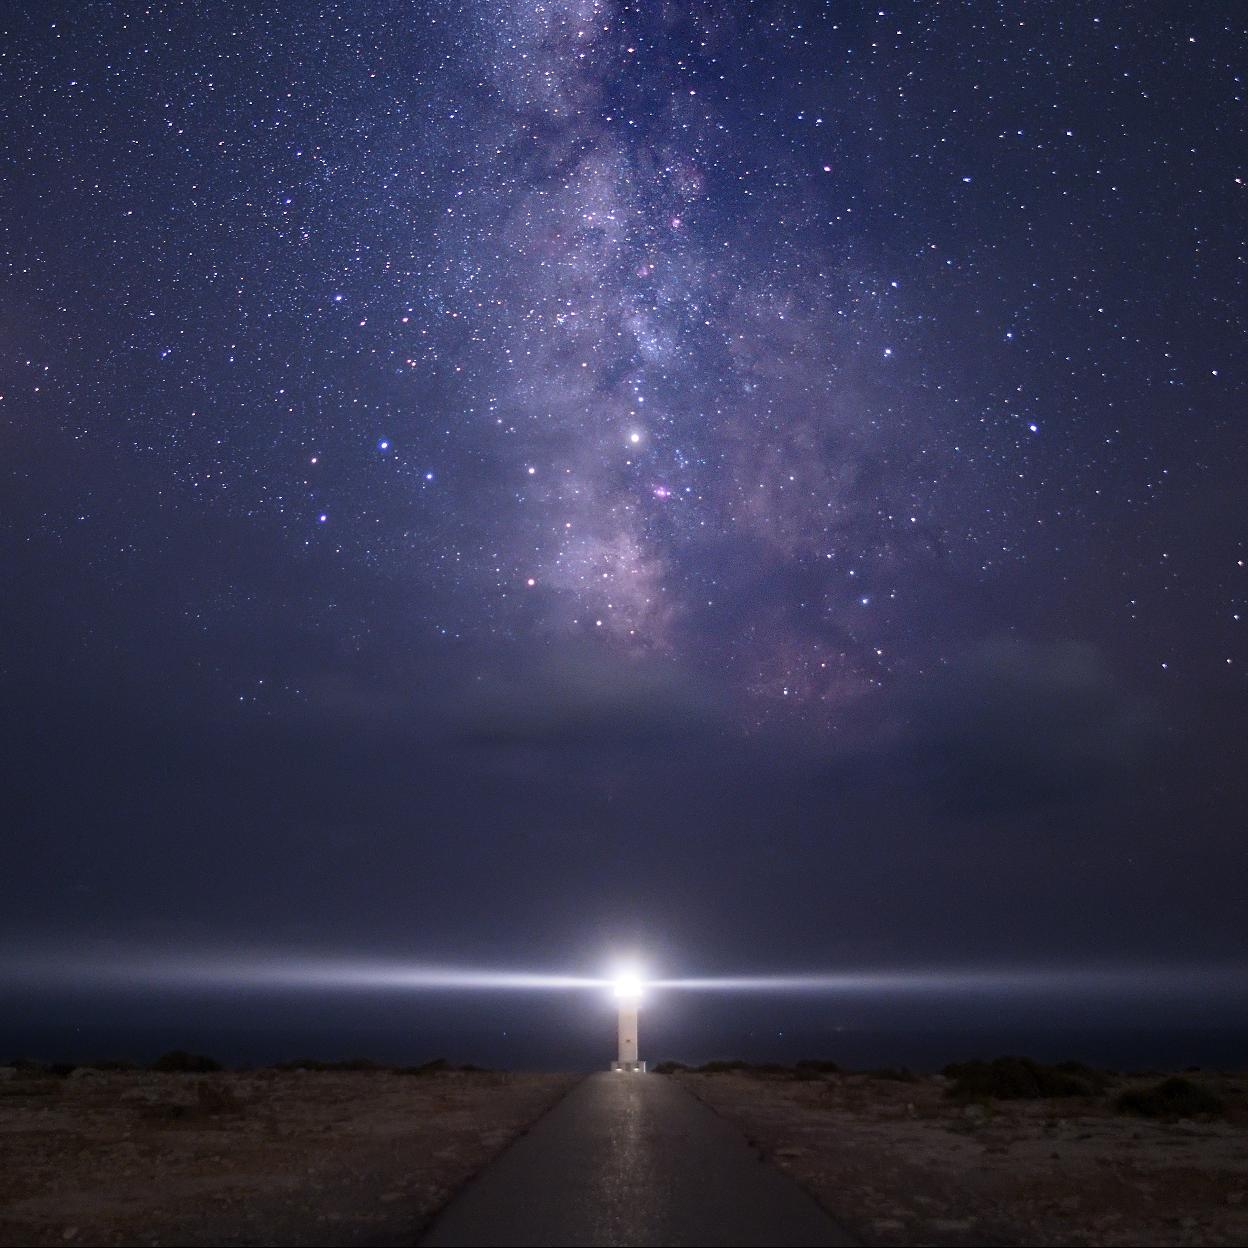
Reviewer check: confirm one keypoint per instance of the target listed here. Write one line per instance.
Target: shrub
(178, 1061)
(1016, 1078)
(302, 1063)
(894, 1074)
(818, 1066)
(364, 1065)
(1098, 1079)
(668, 1068)
(1175, 1097)
(436, 1066)
(722, 1066)
(351, 1064)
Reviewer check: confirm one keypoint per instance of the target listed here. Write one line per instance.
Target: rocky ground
(903, 1163)
(300, 1157)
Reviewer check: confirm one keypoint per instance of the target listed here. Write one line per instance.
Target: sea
(576, 1032)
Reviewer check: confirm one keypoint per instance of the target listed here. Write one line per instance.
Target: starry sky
(757, 483)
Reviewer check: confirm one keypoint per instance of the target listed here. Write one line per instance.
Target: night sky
(760, 485)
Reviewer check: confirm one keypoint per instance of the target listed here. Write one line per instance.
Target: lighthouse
(628, 998)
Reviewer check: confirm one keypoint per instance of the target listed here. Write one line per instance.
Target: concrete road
(632, 1160)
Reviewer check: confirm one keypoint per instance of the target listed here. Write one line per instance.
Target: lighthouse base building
(628, 1062)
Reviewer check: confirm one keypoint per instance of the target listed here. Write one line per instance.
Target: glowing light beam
(131, 969)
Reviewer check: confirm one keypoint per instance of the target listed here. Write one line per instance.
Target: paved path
(632, 1160)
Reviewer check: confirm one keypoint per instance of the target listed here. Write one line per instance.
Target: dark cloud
(1013, 725)
(577, 700)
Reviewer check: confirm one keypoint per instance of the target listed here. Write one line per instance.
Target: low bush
(180, 1062)
(668, 1068)
(1175, 1097)
(436, 1066)
(894, 1074)
(356, 1065)
(302, 1063)
(722, 1066)
(1018, 1078)
(28, 1068)
(818, 1066)
(351, 1064)
(1098, 1079)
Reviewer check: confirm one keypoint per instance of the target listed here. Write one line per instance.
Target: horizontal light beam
(973, 980)
(246, 970)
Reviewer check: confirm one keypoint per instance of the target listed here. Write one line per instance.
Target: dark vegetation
(181, 1062)
(1022, 1079)
(439, 1065)
(352, 1064)
(894, 1074)
(1005, 1079)
(1175, 1097)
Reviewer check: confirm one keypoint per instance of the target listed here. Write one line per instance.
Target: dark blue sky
(761, 484)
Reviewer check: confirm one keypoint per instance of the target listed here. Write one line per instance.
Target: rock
(84, 1072)
(975, 1113)
(7, 1072)
(390, 1197)
(70, 1232)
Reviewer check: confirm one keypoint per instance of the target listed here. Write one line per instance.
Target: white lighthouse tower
(628, 995)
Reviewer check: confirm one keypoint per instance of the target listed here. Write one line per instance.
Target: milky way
(722, 331)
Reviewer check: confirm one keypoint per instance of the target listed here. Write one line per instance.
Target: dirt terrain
(299, 1157)
(903, 1163)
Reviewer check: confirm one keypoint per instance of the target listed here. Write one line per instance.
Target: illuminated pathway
(632, 1159)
